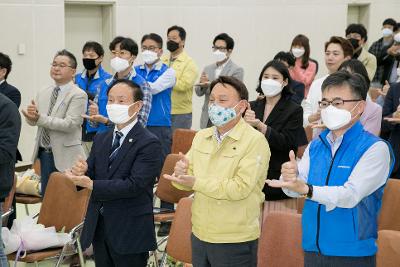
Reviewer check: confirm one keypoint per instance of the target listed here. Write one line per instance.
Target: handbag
(28, 183)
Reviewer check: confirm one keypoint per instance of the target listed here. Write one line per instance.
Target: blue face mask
(219, 115)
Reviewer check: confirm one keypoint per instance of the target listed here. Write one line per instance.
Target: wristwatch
(310, 191)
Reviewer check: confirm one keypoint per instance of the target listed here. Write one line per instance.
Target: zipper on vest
(319, 205)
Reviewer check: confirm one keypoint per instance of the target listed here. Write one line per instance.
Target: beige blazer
(64, 124)
(369, 61)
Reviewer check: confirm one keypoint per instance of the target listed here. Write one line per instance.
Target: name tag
(343, 167)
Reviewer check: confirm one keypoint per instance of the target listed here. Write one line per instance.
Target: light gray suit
(230, 69)
(64, 124)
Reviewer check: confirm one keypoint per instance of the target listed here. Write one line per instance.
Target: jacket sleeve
(371, 66)
(238, 74)
(72, 119)
(186, 78)
(285, 139)
(252, 167)
(10, 127)
(146, 167)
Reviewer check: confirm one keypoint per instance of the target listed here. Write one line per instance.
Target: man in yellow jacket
(226, 167)
(186, 73)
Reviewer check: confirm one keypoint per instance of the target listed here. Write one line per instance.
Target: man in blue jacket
(90, 80)
(161, 79)
(342, 173)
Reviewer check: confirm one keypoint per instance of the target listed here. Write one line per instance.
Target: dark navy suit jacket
(125, 191)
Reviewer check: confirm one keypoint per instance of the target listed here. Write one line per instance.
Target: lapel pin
(130, 140)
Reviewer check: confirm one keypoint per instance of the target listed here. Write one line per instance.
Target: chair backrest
(182, 140)
(63, 205)
(165, 190)
(280, 241)
(179, 244)
(388, 249)
(389, 218)
(300, 204)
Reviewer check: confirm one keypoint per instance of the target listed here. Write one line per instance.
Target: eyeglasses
(337, 102)
(150, 48)
(62, 65)
(220, 48)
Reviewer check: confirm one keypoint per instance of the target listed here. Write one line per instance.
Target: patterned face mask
(219, 115)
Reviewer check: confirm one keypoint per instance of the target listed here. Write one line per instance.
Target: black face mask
(172, 46)
(89, 63)
(354, 43)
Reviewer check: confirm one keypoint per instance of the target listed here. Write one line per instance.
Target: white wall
(260, 28)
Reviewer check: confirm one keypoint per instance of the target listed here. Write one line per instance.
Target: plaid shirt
(379, 50)
(143, 114)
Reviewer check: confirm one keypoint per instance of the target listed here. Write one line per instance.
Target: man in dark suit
(391, 124)
(10, 127)
(122, 166)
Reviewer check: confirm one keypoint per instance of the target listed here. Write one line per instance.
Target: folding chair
(182, 140)
(388, 248)
(389, 218)
(285, 227)
(7, 208)
(179, 244)
(63, 207)
(167, 192)
(26, 199)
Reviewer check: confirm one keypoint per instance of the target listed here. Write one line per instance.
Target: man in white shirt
(342, 174)
(337, 50)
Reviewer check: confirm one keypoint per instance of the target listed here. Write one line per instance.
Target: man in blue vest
(342, 174)
(90, 80)
(161, 79)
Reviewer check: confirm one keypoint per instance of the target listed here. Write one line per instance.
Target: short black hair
(355, 66)
(153, 36)
(137, 92)
(284, 71)
(355, 81)
(390, 21)
(230, 43)
(357, 28)
(93, 46)
(239, 86)
(182, 32)
(72, 58)
(287, 57)
(126, 43)
(5, 63)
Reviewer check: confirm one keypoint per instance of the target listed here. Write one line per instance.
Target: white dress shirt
(370, 173)
(219, 69)
(310, 104)
(124, 131)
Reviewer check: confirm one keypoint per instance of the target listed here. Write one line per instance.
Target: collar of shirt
(334, 143)
(2, 81)
(222, 66)
(65, 87)
(156, 66)
(124, 130)
(234, 133)
(96, 75)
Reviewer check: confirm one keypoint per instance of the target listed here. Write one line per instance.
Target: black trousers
(105, 256)
(312, 259)
(206, 254)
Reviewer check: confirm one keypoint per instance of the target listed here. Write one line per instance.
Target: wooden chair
(182, 140)
(389, 217)
(63, 207)
(7, 208)
(167, 192)
(26, 199)
(280, 241)
(388, 248)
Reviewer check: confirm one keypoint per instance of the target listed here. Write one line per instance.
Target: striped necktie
(45, 134)
(115, 147)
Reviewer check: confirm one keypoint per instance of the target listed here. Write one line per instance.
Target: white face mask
(386, 32)
(298, 52)
(219, 56)
(119, 114)
(119, 64)
(397, 38)
(336, 118)
(271, 87)
(149, 57)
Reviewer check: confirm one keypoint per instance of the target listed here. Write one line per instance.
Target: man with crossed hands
(342, 174)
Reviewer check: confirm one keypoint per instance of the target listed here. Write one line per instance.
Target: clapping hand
(180, 175)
